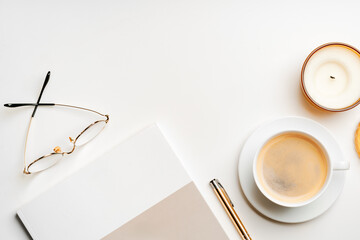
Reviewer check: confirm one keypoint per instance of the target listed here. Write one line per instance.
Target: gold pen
(229, 208)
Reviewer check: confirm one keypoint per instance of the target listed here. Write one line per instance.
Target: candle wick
(332, 77)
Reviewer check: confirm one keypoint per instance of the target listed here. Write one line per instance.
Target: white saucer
(259, 201)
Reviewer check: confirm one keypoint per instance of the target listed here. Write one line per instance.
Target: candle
(330, 77)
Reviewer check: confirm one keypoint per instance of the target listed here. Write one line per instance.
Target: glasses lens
(45, 162)
(90, 133)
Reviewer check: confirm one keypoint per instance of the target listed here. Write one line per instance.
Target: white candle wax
(331, 77)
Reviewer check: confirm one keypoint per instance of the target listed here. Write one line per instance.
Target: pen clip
(227, 196)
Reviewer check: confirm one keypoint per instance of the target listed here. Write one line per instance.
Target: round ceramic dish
(264, 205)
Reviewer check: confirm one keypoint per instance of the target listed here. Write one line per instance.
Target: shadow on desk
(23, 226)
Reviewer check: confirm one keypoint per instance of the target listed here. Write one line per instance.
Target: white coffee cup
(332, 165)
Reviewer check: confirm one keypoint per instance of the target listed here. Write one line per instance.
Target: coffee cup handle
(341, 165)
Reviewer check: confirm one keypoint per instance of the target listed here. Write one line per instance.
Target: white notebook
(138, 190)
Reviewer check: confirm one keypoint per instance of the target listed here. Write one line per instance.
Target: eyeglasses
(85, 136)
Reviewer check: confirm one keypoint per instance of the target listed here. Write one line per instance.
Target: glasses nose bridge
(72, 150)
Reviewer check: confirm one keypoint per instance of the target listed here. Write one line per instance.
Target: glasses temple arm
(86, 109)
(14, 105)
(25, 170)
(47, 78)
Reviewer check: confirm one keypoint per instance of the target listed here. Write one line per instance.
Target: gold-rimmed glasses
(85, 136)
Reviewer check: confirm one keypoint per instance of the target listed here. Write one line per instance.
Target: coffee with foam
(292, 167)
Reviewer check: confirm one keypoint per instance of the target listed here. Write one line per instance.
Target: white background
(209, 72)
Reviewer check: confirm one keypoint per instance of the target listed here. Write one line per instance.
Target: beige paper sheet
(182, 215)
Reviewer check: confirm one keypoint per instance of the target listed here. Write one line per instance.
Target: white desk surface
(209, 72)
